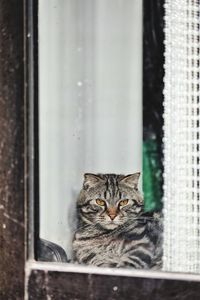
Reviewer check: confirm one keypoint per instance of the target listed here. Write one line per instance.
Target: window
(44, 280)
(90, 122)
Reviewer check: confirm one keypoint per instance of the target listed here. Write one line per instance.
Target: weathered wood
(71, 286)
(12, 229)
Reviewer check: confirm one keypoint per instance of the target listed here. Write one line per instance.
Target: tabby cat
(113, 230)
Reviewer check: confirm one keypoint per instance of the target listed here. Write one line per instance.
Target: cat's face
(110, 200)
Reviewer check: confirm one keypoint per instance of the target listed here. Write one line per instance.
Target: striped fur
(115, 235)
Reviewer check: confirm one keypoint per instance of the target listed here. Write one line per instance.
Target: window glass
(91, 133)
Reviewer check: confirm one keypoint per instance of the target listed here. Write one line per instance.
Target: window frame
(22, 276)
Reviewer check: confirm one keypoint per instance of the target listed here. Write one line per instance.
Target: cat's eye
(123, 202)
(100, 202)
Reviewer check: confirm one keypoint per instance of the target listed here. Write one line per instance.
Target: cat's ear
(90, 180)
(131, 180)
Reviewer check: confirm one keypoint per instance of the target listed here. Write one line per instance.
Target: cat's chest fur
(106, 246)
(128, 248)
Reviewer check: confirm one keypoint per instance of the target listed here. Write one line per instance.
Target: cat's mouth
(110, 225)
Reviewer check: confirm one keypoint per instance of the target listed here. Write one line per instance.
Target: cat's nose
(112, 212)
(112, 217)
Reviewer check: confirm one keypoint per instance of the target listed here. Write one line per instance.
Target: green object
(152, 176)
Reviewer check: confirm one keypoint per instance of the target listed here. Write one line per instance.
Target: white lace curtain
(181, 137)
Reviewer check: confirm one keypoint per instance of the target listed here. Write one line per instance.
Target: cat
(113, 229)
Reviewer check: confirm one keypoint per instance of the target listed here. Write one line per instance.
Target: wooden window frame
(21, 275)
